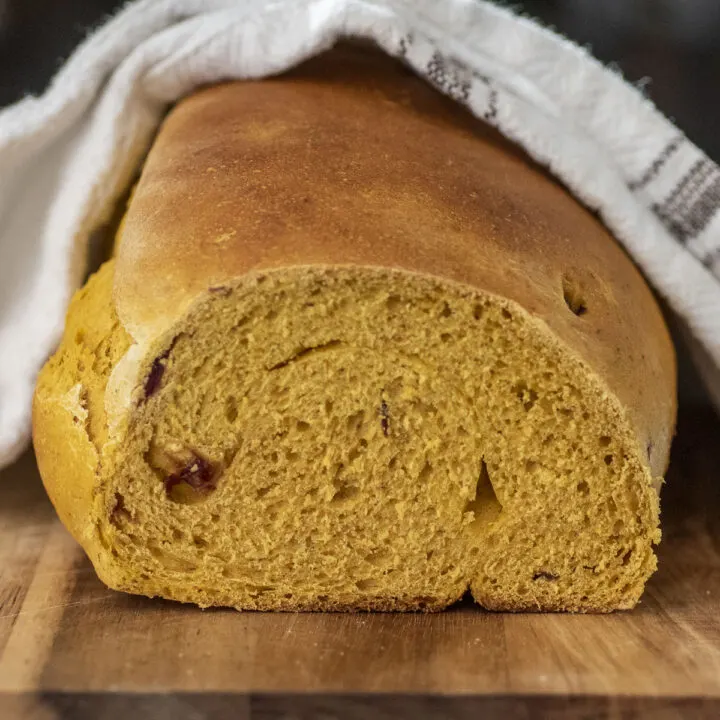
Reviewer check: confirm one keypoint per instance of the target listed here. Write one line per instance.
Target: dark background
(671, 48)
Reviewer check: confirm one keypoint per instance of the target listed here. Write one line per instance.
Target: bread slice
(356, 352)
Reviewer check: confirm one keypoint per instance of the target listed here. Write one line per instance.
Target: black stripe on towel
(690, 207)
(657, 164)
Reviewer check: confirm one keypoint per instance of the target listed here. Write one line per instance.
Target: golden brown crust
(66, 460)
(69, 428)
(357, 162)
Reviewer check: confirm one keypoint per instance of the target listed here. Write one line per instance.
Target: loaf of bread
(356, 352)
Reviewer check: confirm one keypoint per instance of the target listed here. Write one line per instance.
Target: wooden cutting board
(70, 648)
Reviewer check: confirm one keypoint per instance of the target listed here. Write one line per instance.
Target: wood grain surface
(70, 648)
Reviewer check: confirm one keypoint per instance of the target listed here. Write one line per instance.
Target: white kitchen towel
(66, 156)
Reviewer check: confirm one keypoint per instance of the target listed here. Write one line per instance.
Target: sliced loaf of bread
(355, 351)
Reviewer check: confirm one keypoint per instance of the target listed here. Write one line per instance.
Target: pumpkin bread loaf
(356, 352)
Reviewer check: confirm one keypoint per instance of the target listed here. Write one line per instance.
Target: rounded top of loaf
(351, 160)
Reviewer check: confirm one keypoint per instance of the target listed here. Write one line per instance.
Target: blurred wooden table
(70, 648)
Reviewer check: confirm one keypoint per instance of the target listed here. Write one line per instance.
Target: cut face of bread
(345, 438)
(356, 352)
